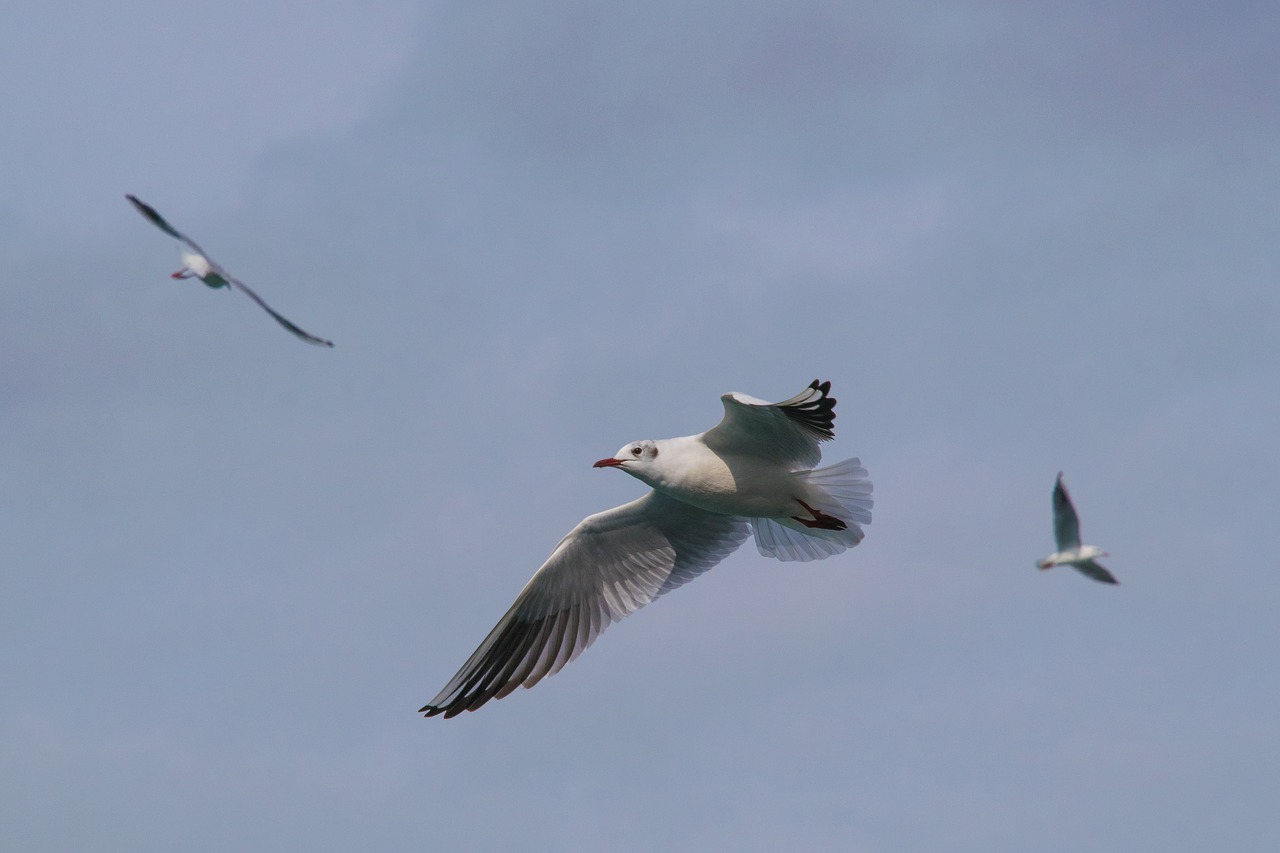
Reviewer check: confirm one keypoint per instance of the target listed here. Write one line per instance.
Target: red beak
(608, 463)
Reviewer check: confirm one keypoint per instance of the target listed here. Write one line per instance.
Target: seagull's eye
(635, 451)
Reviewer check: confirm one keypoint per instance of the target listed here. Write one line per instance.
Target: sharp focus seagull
(1066, 528)
(751, 472)
(197, 263)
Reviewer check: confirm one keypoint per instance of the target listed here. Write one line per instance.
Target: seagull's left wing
(159, 221)
(1066, 524)
(247, 291)
(786, 433)
(1095, 570)
(609, 566)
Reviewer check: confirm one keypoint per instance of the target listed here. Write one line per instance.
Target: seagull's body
(197, 264)
(1066, 529)
(725, 483)
(753, 471)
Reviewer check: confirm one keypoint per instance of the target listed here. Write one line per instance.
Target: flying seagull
(197, 263)
(751, 472)
(1066, 528)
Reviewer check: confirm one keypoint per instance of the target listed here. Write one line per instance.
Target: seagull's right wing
(1066, 524)
(609, 566)
(159, 221)
(304, 335)
(1095, 570)
(786, 433)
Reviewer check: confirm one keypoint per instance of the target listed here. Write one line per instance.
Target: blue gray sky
(1018, 238)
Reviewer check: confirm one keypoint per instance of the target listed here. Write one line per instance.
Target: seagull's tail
(845, 493)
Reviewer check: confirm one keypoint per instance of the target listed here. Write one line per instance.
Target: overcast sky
(1018, 238)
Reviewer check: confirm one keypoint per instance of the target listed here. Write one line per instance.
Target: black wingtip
(305, 337)
(825, 389)
(152, 216)
(817, 416)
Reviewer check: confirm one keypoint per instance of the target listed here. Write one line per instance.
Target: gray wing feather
(160, 222)
(1094, 569)
(1066, 524)
(297, 330)
(609, 566)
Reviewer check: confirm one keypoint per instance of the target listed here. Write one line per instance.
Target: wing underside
(1066, 524)
(609, 566)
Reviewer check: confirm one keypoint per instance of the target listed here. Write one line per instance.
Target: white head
(638, 458)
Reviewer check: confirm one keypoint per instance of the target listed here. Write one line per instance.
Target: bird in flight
(1066, 529)
(198, 264)
(752, 472)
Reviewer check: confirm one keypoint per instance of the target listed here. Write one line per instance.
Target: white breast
(741, 486)
(198, 264)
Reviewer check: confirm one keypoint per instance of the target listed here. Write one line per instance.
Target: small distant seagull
(197, 263)
(1066, 528)
(753, 471)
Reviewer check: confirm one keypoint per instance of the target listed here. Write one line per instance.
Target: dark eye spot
(635, 451)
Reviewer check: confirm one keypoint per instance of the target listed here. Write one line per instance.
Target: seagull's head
(636, 458)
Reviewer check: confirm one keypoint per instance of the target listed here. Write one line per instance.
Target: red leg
(820, 520)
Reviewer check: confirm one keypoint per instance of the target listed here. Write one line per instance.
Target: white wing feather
(609, 566)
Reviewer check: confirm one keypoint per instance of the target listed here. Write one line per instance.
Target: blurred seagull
(197, 263)
(752, 471)
(1066, 528)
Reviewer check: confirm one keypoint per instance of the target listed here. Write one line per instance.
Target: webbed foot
(820, 520)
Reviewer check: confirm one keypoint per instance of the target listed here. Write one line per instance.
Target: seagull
(196, 263)
(1066, 528)
(751, 472)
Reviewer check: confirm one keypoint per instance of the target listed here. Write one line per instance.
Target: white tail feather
(845, 493)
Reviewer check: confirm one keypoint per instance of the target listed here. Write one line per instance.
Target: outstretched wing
(1066, 524)
(786, 433)
(160, 222)
(1094, 569)
(609, 566)
(245, 289)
